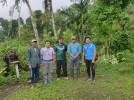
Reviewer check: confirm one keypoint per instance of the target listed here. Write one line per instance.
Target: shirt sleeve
(68, 49)
(94, 48)
(53, 51)
(84, 48)
(79, 49)
(55, 48)
(40, 56)
(41, 52)
(28, 57)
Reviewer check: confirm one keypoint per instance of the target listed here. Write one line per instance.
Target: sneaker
(88, 78)
(45, 82)
(50, 81)
(93, 80)
(58, 79)
(66, 78)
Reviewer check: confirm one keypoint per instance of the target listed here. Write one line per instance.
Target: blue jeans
(34, 71)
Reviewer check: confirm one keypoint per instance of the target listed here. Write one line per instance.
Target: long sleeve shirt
(74, 49)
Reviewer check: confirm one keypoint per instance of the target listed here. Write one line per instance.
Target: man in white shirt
(47, 56)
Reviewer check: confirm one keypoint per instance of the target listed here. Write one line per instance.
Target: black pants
(64, 66)
(88, 64)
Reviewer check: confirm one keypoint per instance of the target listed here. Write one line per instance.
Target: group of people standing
(48, 56)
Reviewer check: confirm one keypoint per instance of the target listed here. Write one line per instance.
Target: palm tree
(78, 15)
(31, 15)
(52, 16)
(48, 5)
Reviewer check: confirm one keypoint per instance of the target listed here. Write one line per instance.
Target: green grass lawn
(113, 82)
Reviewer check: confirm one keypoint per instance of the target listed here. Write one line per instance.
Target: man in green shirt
(60, 53)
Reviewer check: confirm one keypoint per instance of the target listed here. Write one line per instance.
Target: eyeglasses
(73, 39)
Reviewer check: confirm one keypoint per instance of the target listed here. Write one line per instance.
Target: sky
(35, 5)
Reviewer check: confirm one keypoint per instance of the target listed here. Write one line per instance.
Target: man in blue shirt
(89, 52)
(74, 50)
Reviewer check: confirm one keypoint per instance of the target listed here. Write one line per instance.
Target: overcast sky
(35, 5)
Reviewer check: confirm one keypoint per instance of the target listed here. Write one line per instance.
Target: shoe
(45, 82)
(66, 78)
(93, 80)
(50, 81)
(88, 78)
(58, 79)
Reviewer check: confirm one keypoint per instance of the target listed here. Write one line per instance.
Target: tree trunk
(108, 45)
(110, 35)
(107, 52)
(34, 24)
(53, 23)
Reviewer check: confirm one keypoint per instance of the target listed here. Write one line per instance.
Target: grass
(113, 82)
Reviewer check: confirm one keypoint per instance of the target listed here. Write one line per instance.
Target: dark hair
(47, 41)
(87, 38)
(60, 38)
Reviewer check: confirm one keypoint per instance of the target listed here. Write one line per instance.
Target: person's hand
(92, 61)
(30, 67)
(82, 61)
(54, 62)
(41, 65)
(75, 57)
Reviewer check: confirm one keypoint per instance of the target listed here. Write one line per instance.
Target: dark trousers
(34, 73)
(88, 64)
(64, 66)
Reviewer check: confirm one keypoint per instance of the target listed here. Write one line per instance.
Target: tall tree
(48, 5)
(31, 15)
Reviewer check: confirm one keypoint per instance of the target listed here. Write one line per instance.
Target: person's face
(34, 44)
(61, 41)
(87, 40)
(73, 40)
(47, 44)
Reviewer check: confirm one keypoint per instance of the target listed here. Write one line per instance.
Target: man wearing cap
(60, 53)
(47, 56)
(74, 50)
(34, 62)
(89, 52)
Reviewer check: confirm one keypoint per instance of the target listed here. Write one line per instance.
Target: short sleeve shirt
(60, 51)
(47, 53)
(89, 51)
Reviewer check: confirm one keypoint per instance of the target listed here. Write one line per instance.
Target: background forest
(109, 23)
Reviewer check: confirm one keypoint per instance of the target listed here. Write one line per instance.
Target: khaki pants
(48, 65)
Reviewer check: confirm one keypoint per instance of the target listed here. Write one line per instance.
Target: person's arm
(94, 56)
(71, 55)
(94, 50)
(55, 49)
(40, 57)
(69, 50)
(41, 52)
(29, 58)
(53, 56)
(79, 51)
(83, 55)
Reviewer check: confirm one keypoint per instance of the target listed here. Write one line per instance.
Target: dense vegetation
(109, 23)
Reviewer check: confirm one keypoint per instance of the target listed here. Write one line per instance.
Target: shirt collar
(88, 45)
(48, 49)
